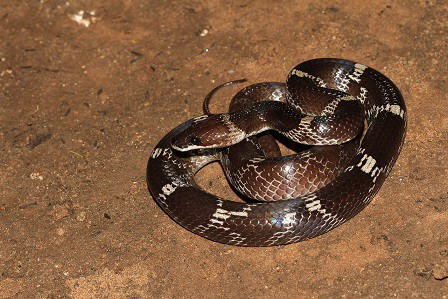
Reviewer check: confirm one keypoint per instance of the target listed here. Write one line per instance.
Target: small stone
(36, 176)
(60, 212)
(81, 216)
(60, 231)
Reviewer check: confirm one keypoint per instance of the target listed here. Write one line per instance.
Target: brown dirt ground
(82, 108)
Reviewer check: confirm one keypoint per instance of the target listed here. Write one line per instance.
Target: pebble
(81, 216)
(36, 176)
(60, 212)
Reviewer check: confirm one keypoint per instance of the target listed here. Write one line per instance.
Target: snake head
(207, 132)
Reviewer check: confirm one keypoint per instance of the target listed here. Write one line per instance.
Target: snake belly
(170, 176)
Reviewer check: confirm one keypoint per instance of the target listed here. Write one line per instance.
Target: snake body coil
(306, 194)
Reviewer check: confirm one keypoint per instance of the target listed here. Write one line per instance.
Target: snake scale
(354, 110)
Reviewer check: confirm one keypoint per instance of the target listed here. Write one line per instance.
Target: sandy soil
(84, 99)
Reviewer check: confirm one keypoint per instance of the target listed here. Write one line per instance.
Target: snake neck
(265, 116)
(300, 128)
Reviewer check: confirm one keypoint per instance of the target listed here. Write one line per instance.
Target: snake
(352, 119)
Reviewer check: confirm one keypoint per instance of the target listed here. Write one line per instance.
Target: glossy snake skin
(352, 173)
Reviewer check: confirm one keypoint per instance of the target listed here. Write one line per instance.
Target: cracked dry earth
(87, 89)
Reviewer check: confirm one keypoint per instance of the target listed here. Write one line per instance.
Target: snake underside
(303, 207)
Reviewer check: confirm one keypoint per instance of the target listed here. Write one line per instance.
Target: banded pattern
(170, 175)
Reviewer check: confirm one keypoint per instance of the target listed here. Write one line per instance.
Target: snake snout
(212, 132)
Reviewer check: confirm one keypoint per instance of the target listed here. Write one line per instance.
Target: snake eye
(195, 140)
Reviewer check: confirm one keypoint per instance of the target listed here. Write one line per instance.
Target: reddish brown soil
(82, 108)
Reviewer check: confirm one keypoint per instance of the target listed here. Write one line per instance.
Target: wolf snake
(313, 191)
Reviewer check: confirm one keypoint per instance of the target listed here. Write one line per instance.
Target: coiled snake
(357, 112)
